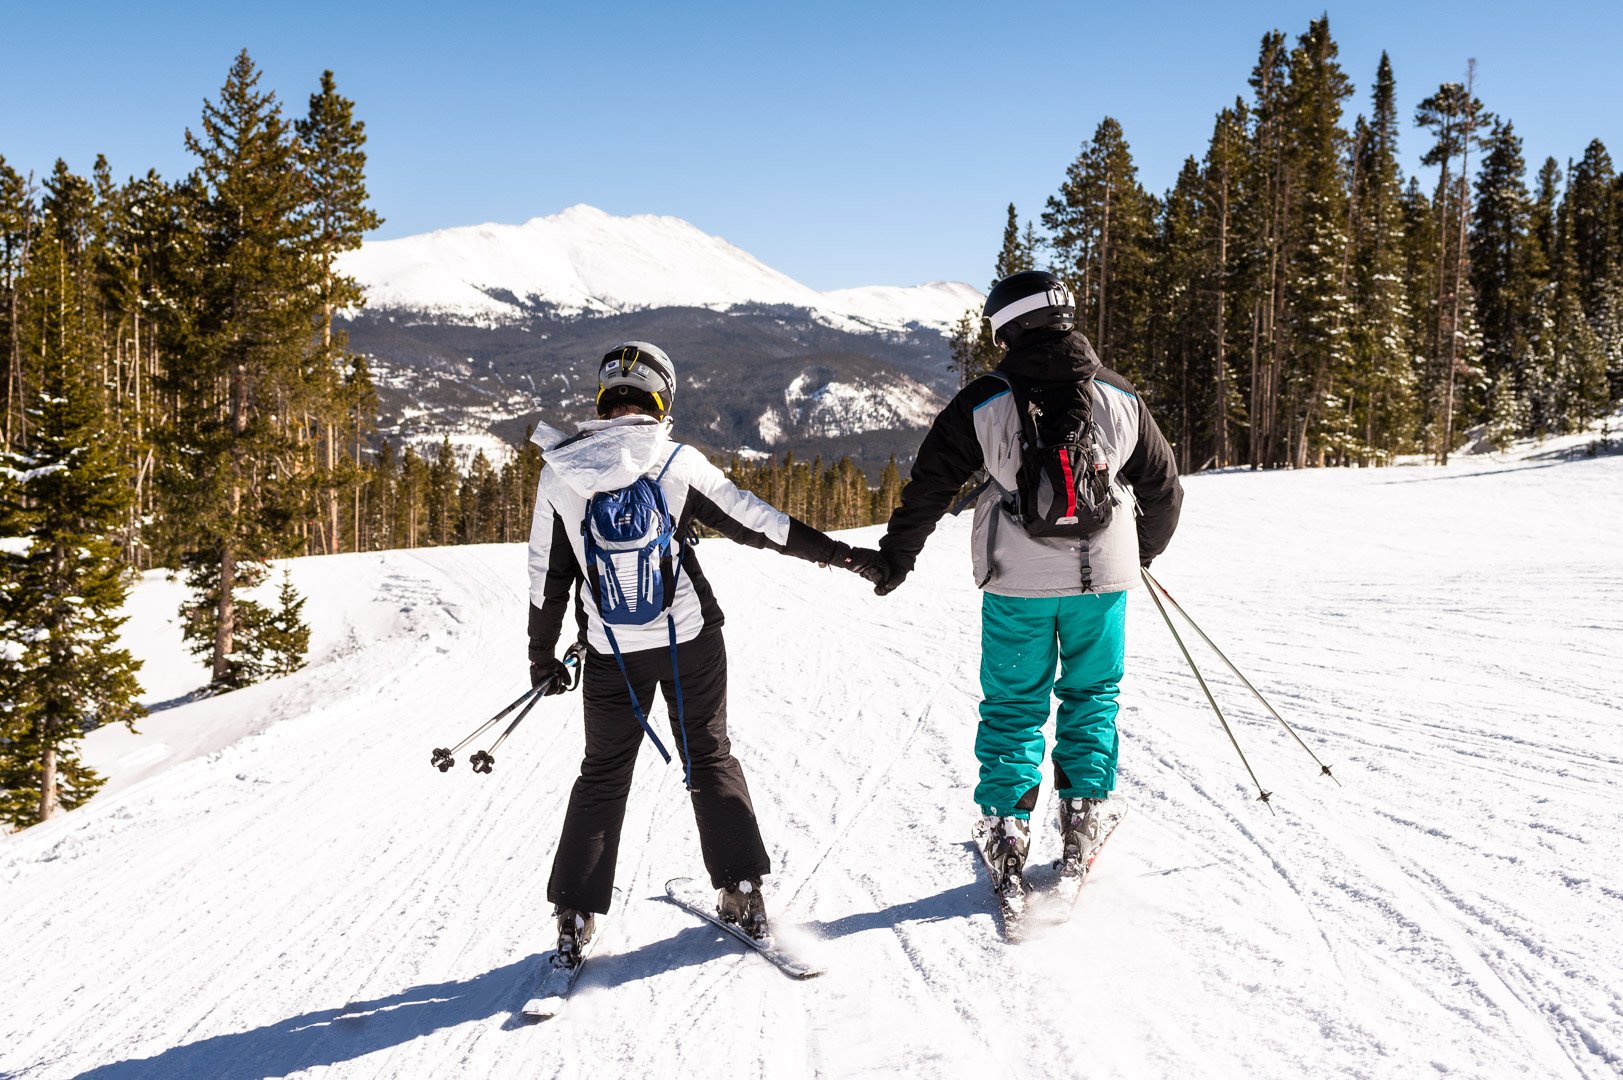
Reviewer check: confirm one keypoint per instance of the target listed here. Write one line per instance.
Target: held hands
(870, 565)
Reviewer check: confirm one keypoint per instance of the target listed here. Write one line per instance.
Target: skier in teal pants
(1080, 490)
(1022, 639)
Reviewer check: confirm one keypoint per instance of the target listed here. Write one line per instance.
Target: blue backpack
(630, 538)
(629, 541)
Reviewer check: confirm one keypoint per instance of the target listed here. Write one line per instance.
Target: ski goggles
(641, 366)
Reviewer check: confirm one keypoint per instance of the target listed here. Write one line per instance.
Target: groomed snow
(583, 260)
(302, 894)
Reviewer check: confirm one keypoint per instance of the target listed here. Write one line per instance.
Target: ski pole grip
(575, 661)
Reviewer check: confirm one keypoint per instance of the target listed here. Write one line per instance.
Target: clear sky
(842, 143)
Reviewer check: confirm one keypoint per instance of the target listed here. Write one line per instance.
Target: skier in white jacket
(674, 642)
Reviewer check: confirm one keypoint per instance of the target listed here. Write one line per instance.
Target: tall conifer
(1383, 389)
(62, 670)
(239, 373)
(330, 142)
(1502, 269)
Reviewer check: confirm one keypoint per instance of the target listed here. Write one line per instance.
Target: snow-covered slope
(314, 899)
(583, 260)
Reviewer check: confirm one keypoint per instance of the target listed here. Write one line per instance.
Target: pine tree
(971, 348)
(1181, 355)
(889, 494)
(330, 142)
(1502, 271)
(16, 234)
(1017, 253)
(284, 640)
(442, 497)
(1575, 359)
(1316, 376)
(1383, 381)
(237, 366)
(1101, 226)
(62, 670)
(1223, 174)
(1456, 117)
(1265, 215)
(1591, 204)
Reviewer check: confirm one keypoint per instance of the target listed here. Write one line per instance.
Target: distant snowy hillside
(277, 883)
(584, 261)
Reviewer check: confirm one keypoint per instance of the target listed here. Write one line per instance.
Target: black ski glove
(887, 585)
(876, 570)
(864, 562)
(556, 670)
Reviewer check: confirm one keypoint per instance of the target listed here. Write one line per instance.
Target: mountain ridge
(584, 261)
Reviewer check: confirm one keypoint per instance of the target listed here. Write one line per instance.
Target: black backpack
(1063, 484)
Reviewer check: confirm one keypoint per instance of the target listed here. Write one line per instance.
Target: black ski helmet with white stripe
(1029, 300)
(636, 373)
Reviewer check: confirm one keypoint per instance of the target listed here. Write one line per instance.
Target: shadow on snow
(329, 1036)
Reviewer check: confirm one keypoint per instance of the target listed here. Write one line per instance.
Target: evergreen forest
(1294, 300)
(179, 393)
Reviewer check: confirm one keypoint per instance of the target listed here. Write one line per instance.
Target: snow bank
(307, 896)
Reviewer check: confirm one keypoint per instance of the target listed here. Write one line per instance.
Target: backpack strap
(681, 718)
(679, 448)
(636, 706)
(670, 568)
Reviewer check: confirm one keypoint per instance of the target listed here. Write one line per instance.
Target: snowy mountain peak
(582, 260)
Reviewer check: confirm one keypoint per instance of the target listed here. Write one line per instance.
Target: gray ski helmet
(636, 373)
(1029, 300)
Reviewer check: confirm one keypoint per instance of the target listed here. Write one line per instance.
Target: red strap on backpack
(1070, 481)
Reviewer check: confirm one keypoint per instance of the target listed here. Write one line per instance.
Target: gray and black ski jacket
(979, 429)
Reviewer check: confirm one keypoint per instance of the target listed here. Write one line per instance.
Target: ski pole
(1262, 796)
(483, 760)
(443, 758)
(1324, 770)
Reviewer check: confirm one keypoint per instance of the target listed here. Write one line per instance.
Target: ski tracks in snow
(315, 899)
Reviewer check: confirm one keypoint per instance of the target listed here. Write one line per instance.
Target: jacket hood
(604, 455)
(1051, 356)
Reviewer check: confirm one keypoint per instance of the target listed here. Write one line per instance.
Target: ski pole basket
(444, 758)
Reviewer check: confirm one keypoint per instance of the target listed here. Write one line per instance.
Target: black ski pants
(730, 839)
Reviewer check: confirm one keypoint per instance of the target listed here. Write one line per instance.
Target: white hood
(607, 454)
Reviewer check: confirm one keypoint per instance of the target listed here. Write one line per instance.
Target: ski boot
(1004, 842)
(575, 929)
(742, 904)
(1079, 821)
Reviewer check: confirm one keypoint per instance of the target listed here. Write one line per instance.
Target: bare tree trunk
(225, 613)
(1222, 313)
(47, 778)
(1459, 259)
(225, 609)
(1256, 377)
(1104, 273)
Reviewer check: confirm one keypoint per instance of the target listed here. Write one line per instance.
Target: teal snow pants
(1022, 638)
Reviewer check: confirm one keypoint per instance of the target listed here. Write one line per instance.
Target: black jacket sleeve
(1153, 474)
(948, 457)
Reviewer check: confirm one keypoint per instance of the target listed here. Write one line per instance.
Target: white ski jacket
(606, 455)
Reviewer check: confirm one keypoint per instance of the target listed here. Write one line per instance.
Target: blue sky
(842, 143)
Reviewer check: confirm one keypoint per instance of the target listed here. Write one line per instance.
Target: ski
(1069, 888)
(699, 899)
(556, 980)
